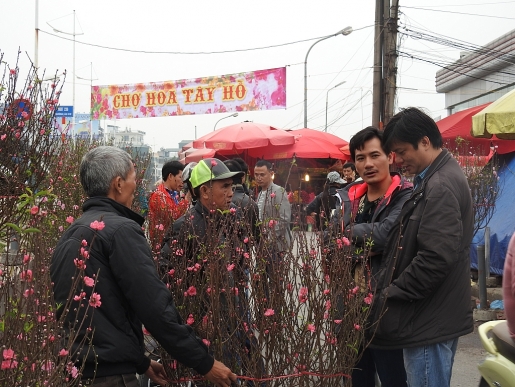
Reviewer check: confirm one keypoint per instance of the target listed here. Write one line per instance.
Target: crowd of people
(419, 233)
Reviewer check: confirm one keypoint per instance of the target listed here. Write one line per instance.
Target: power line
(466, 5)
(445, 66)
(460, 13)
(186, 52)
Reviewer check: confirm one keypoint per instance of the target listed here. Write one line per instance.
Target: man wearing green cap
(205, 250)
(211, 182)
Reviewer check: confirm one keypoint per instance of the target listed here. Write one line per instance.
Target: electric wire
(459, 13)
(189, 52)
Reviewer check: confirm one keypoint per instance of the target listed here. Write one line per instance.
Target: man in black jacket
(205, 239)
(107, 247)
(370, 208)
(242, 200)
(425, 284)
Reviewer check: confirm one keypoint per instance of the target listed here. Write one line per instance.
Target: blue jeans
(430, 365)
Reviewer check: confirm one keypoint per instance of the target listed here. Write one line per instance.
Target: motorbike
(498, 368)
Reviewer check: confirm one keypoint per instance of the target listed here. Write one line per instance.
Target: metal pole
(346, 31)
(73, 101)
(223, 118)
(90, 92)
(326, 106)
(327, 99)
(36, 41)
(306, 79)
(487, 252)
(481, 278)
(377, 99)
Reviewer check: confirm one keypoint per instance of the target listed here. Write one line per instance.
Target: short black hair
(265, 163)
(243, 165)
(349, 165)
(357, 142)
(234, 166)
(172, 167)
(411, 125)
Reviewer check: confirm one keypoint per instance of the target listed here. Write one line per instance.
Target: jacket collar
(103, 203)
(358, 190)
(440, 161)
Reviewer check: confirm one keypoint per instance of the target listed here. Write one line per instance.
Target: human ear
(117, 181)
(425, 142)
(204, 192)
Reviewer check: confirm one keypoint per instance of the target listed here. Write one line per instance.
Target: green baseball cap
(210, 169)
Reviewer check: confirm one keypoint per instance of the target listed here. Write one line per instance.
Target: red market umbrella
(243, 136)
(304, 147)
(460, 124)
(311, 133)
(196, 155)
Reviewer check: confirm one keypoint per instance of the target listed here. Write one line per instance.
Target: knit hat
(208, 170)
(334, 177)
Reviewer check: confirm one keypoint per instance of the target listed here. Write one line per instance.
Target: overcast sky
(227, 25)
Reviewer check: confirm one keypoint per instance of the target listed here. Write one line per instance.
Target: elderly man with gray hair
(127, 292)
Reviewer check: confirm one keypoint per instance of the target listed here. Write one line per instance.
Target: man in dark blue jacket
(425, 285)
(119, 288)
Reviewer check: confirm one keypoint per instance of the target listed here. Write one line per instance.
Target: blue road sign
(64, 111)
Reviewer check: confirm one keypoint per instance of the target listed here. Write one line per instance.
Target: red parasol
(312, 133)
(246, 135)
(459, 125)
(305, 147)
(196, 155)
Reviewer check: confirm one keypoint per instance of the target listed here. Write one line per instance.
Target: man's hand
(220, 375)
(156, 373)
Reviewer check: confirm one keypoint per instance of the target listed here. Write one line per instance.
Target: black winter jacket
(131, 293)
(383, 219)
(424, 286)
(249, 209)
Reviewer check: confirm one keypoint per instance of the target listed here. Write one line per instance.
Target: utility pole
(390, 60)
(377, 93)
(385, 61)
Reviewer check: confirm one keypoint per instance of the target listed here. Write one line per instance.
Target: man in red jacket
(165, 204)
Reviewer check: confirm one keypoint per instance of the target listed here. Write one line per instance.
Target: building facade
(480, 76)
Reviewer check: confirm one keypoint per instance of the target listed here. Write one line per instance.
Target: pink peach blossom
(190, 320)
(192, 291)
(63, 352)
(88, 281)
(94, 300)
(96, 225)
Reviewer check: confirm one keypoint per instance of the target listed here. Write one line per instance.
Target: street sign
(64, 111)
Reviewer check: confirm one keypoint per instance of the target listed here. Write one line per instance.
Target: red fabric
(163, 211)
(358, 190)
(312, 133)
(460, 124)
(508, 285)
(246, 135)
(305, 147)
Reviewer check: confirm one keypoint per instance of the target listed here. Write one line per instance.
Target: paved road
(468, 355)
